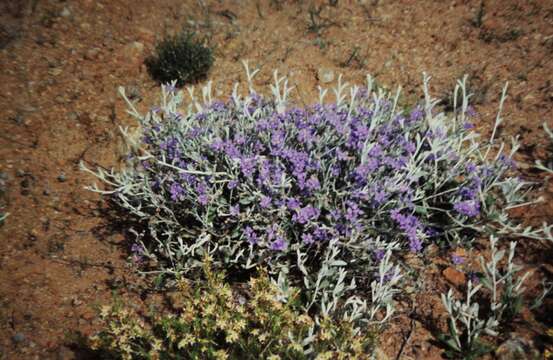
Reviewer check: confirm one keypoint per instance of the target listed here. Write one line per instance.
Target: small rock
(20, 173)
(73, 116)
(33, 235)
(133, 49)
(146, 35)
(55, 71)
(92, 54)
(175, 299)
(528, 98)
(88, 315)
(65, 353)
(18, 118)
(62, 178)
(25, 183)
(76, 302)
(380, 355)
(325, 75)
(454, 276)
(65, 12)
(517, 349)
(18, 338)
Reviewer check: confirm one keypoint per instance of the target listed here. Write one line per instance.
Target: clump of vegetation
(323, 196)
(469, 319)
(214, 321)
(182, 57)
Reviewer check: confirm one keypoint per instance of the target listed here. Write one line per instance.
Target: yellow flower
(221, 355)
(105, 311)
(231, 337)
(156, 346)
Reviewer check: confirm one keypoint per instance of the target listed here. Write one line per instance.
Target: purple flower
(352, 211)
(217, 145)
(470, 167)
(416, 114)
(468, 126)
(457, 259)
(277, 138)
(177, 191)
(251, 236)
(231, 150)
(378, 254)
(235, 210)
(293, 204)
(410, 147)
(203, 199)
(474, 278)
(471, 112)
(379, 197)
(232, 184)
(307, 238)
(306, 136)
(341, 155)
(415, 244)
(313, 183)
(306, 214)
(137, 249)
(470, 208)
(279, 244)
(265, 202)
(409, 224)
(468, 192)
(170, 88)
(247, 165)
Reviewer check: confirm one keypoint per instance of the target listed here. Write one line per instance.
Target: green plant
(215, 321)
(466, 322)
(548, 167)
(182, 58)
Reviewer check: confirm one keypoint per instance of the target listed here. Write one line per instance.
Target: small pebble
(325, 75)
(65, 12)
(18, 337)
(62, 178)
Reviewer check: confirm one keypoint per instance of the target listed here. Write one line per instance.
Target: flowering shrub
(214, 321)
(321, 195)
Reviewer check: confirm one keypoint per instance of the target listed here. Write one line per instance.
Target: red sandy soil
(62, 61)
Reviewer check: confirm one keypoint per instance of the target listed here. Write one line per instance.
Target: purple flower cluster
(470, 208)
(410, 225)
(305, 176)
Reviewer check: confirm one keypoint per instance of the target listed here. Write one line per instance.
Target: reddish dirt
(62, 62)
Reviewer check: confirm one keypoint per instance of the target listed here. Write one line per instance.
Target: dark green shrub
(182, 57)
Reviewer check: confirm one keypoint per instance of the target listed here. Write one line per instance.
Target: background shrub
(182, 58)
